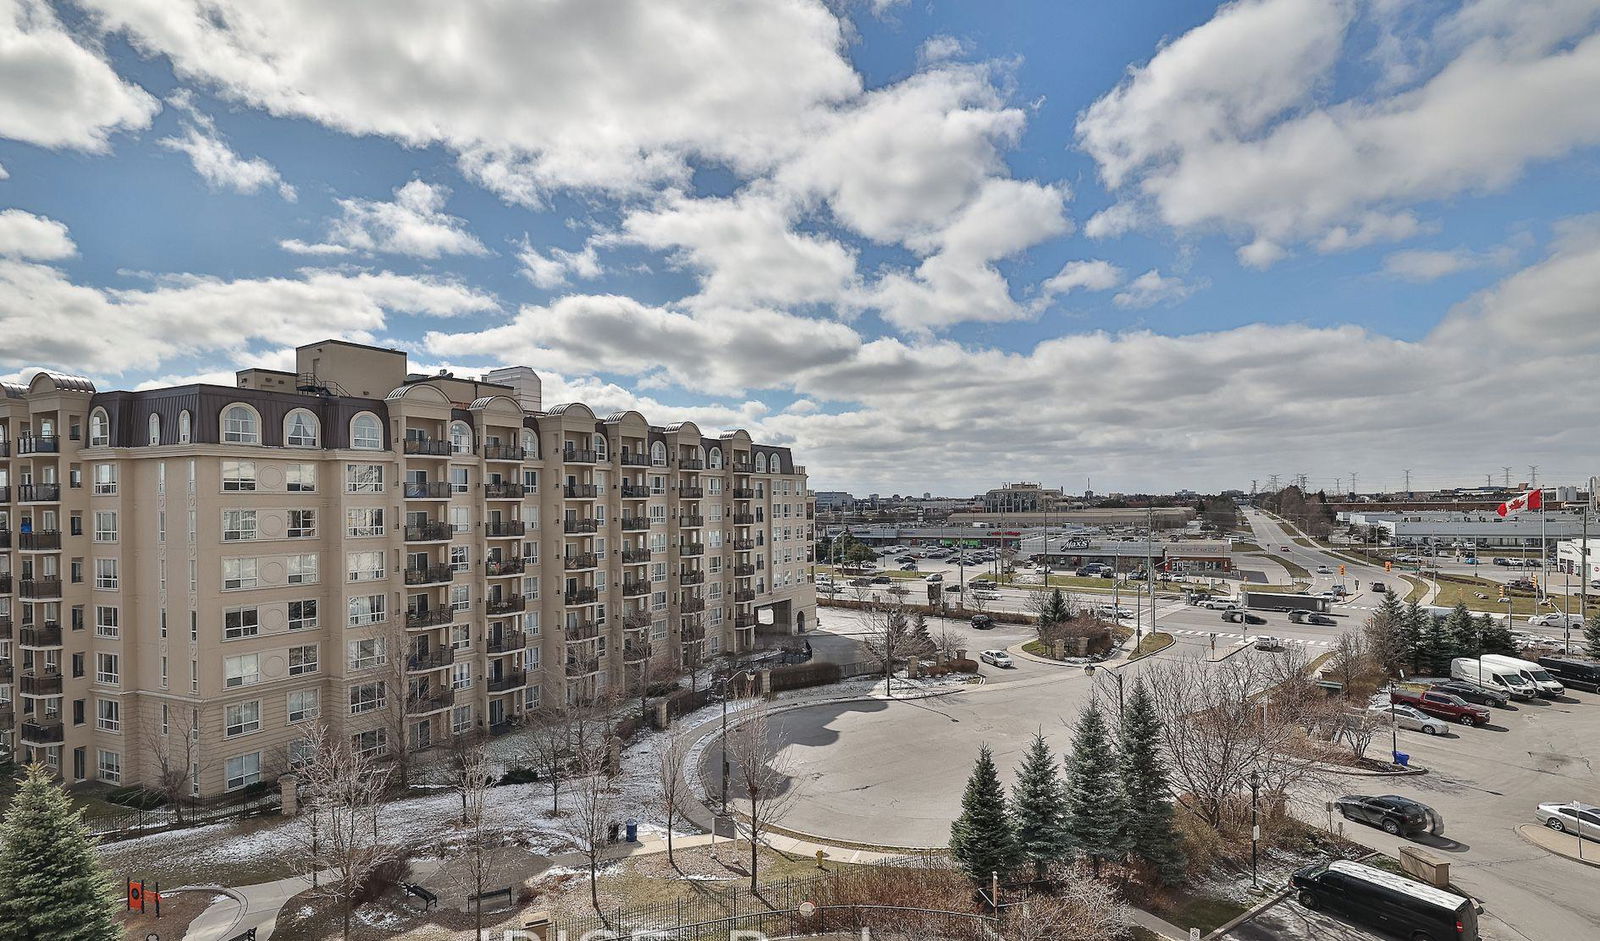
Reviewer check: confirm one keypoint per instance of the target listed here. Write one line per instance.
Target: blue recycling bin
(1402, 759)
(633, 830)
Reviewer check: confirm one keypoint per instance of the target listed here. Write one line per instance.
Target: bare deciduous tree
(595, 804)
(473, 776)
(464, 757)
(171, 738)
(402, 754)
(889, 638)
(1360, 728)
(1083, 910)
(762, 778)
(672, 789)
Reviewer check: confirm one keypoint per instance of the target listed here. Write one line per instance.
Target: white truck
(1475, 670)
(1541, 679)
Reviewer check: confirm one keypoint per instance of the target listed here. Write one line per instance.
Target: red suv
(1447, 706)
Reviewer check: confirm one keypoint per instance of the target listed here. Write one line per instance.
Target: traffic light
(1388, 566)
(1341, 571)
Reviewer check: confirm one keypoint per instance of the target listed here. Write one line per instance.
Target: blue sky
(930, 245)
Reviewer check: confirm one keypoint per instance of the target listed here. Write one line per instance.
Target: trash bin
(633, 830)
(1402, 759)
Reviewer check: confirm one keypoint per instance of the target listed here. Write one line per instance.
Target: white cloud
(1370, 228)
(414, 224)
(27, 236)
(552, 270)
(1112, 221)
(1152, 288)
(299, 247)
(1427, 265)
(58, 92)
(4, 175)
(214, 160)
(940, 48)
(1093, 275)
(1261, 253)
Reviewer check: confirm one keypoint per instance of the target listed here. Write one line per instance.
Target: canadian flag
(1527, 500)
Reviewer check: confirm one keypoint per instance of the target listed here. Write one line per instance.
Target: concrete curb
(1527, 833)
(1150, 653)
(1238, 920)
(1358, 773)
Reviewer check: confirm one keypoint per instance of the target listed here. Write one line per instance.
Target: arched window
(530, 445)
(300, 429)
(99, 429)
(185, 427)
(600, 448)
(460, 437)
(155, 429)
(761, 462)
(658, 455)
(366, 432)
(716, 458)
(241, 425)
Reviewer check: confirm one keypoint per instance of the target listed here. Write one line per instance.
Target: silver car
(1572, 817)
(1409, 718)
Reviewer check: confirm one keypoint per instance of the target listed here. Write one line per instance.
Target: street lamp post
(1255, 825)
(1089, 670)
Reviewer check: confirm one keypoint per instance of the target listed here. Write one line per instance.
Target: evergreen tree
(981, 839)
(51, 882)
(1494, 635)
(1055, 610)
(1146, 793)
(1038, 809)
(1386, 634)
(1461, 633)
(1095, 819)
(1416, 624)
(1435, 646)
(1591, 636)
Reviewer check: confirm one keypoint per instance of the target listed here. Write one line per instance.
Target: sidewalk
(251, 906)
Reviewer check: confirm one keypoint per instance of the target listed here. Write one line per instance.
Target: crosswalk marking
(1247, 637)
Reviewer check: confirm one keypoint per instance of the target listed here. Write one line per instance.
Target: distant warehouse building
(1484, 529)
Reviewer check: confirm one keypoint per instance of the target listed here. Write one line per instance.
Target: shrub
(520, 776)
(385, 876)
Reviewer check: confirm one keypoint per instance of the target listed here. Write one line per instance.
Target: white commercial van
(1485, 674)
(1541, 679)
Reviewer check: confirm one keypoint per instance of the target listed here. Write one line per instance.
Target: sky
(932, 246)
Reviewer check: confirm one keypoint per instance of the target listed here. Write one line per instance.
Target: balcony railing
(40, 635)
(743, 622)
(743, 545)
(48, 540)
(629, 459)
(5, 449)
(433, 700)
(434, 658)
(575, 525)
(633, 524)
(583, 667)
(743, 570)
(636, 556)
(430, 575)
(503, 452)
(743, 493)
(5, 584)
(507, 681)
(5, 494)
(502, 529)
(508, 604)
(577, 456)
(499, 568)
(5, 627)
(40, 684)
(582, 596)
(38, 493)
(585, 629)
(692, 605)
(691, 522)
(691, 493)
(42, 732)
(635, 491)
(690, 576)
(433, 617)
(811, 513)
(632, 587)
(580, 491)
(691, 463)
(39, 444)
(503, 490)
(579, 561)
(691, 548)
(5, 534)
(427, 490)
(40, 588)
(507, 641)
(744, 519)
(427, 447)
(429, 532)
(743, 467)
(744, 594)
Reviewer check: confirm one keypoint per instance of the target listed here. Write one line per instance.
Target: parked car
(1400, 907)
(1400, 816)
(1408, 717)
(998, 658)
(899, 590)
(1268, 642)
(1324, 570)
(982, 622)
(1447, 706)
(1520, 584)
(1572, 817)
(1473, 692)
(1301, 616)
(1556, 619)
(1501, 560)
(1108, 611)
(879, 580)
(1237, 616)
(935, 577)
(1217, 604)
(909, 567)
(1379, 587)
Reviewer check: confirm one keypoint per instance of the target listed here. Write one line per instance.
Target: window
(303, 569)
(461, 720)
(363, 478)
(300, 429)
(105, 479)
(530, 659)
(241, 718)
(239, 475)
(761, 462)
(366, 432)
(302, 524)
(303, 659)
(658, 601)
(530, 481)
(107, 669)
(460, 599)
(304, 704)
(658, 513)
(105, 574)
(105, 526)
(365, 566)
(370, 743)
(99, 429)
(240, 574)
(241, 622)
(364, 521)
(238, 525)
(461, 676)
(460, 559)
(461, 519)
(303, 615)
(241, 425)
(715, 461)
(658, 484)
(530, 445)
(367, 609)
(107, 621)
(658, 628)
(108, 715)
(185, 427)
(243, 670)
(300, 752)
(110, 766)
(658, 571)
(600, 447)
(153, 426)
(301, 478)
(460, 437)
(243, 770)
(367, 653)
(365, 697)
(658, 455)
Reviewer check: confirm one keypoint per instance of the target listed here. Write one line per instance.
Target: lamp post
(1089, 669)
(1255, 825)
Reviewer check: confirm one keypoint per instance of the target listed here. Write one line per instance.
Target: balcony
(507, 641)
(691, 463)
(578, 667)
(580, 561)
(581, 630)
(743, 493)
(429, 575)
(434, 658)
(38, 493)
(744, 467)
(503, 452)
(691, 548)
(744, 594)
(635, 491)
(39, 444)
(5, 627)
(5, 584)
(40, 684)
(40, 635)
(744, 519)
(692, 605)
(635, 556)
(743, 570)
(427, 447)
(633, 524)
(744, 622)
(5, 448)
(629, 459)
(500, 568)
(691, 493)
(690, 576)
(432, 617)
(742, 545)
(502, 490)
(633, 587)
(6, 672)
(429, 532)
(5, 534)
(580, 491)
(42, 732)
(5, 494)
(577, 456)
(427, 701)
(811, 512)
(635, 653)
(40, 589)
(8, 715)
(427, 490)
(691, 522)
(576, 525)
(508, 681)
(582, 596)
(40, 540)
(505, 529)
(508, 604)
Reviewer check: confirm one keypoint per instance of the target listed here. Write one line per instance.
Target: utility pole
(1533, 476)
(1408, 481)
(1352, 482)
(1338, 485)
(1507, 469)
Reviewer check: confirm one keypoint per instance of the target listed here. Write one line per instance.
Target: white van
(1541, 679)
(1485, 674)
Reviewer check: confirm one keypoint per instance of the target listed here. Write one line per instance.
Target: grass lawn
(1452, 589)
(888, 573)
(1244, 545)
(1037, 647)
(1151, 643)
(1296, 570)
(1205, 912)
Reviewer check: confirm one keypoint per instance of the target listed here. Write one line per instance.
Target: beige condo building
(191, 575)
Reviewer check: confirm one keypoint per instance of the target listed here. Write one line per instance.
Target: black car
(1471, 692)
(1401, 907)
(1243, 617)
(1309, 617)
(1499, 560)
(982, 622)
(1392, 813)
